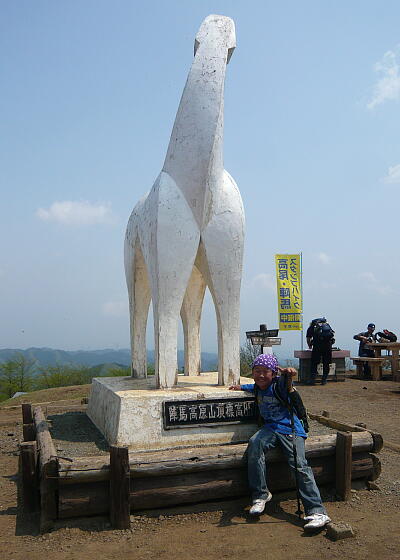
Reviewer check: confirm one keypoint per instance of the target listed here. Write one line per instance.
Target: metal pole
(263, 328)
(302, 299)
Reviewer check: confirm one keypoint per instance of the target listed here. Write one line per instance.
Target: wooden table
(393, 348)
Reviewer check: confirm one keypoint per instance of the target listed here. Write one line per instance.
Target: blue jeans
(266, 439)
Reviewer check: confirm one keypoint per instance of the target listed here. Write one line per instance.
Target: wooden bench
(375, 363)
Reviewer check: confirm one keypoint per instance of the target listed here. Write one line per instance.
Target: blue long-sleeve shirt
(276, 416)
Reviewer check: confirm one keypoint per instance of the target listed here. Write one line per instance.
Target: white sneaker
(316, 520)
(259, 505)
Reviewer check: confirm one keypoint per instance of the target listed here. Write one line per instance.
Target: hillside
(54, 394)
(42, 357)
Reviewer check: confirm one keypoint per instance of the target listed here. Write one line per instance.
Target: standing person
(363, 351)
(320, 337)
(271, 393)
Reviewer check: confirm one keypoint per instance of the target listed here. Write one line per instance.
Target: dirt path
(224, 530)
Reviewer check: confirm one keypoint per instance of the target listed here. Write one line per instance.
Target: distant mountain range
(43, 357)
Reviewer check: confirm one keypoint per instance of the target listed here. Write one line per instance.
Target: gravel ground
(217, 530)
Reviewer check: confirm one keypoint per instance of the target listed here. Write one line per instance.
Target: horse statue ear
(217, 28)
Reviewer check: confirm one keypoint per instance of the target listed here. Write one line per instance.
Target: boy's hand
(235, 388)
(290, 371)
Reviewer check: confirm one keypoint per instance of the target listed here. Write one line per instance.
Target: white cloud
(324, 258)
(264, 281)
(388, 85)
(393, 175)
(373, 284)
(382, 289)
(81, 213)
(115, 308)
(368, 277)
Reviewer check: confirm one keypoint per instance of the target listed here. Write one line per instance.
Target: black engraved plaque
(179, 414)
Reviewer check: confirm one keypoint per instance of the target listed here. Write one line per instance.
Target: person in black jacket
(320, 338)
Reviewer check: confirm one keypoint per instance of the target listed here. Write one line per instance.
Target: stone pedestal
(129, 412)
(337, 368)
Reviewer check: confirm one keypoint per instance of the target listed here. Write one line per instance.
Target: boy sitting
(277, 430)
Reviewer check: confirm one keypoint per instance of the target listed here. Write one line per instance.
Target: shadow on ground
(76, 427)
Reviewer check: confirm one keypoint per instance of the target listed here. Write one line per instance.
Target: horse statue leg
(191, 317)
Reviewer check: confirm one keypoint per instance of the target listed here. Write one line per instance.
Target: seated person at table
(365, 338)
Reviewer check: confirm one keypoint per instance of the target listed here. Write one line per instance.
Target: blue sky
(89, 92)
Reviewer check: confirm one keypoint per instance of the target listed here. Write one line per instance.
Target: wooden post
(376, 371)
(48, 495)
(27, 417)
(29, 432)
(119, 488)
(28, 427)
(28, 452)
(343, 465)
(48, 464)
(395, 362)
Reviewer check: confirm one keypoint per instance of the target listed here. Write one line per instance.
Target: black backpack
(294, 404)
(388, 335)
(322, 331)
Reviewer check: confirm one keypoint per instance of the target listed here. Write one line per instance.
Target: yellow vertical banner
(288, 284)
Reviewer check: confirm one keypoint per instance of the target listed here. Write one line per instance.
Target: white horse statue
(187, 233)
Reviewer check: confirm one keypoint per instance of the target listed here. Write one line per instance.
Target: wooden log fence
(181, 461)
(79, 500)
(29, 458)
(48, 471)
(28, 450)
(122, 482)
(342, 426)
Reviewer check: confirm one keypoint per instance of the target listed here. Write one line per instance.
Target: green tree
(126, 371)
(16, 375)
(248, 353)
(118, 372)
(7, 380)
(63, 376)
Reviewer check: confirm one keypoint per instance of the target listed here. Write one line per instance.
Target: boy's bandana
(266, 360)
